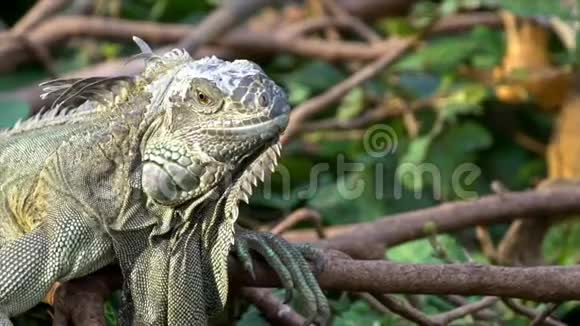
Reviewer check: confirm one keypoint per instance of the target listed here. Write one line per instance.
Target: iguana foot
(289, 262)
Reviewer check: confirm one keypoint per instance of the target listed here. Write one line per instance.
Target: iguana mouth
(264, 127)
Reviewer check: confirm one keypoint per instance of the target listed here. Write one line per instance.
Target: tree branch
(529, 313)
(221, 21)
(244, 42)
(394, 229)
(274, 310)
(543, 283)
(318, 103)
(41, 10)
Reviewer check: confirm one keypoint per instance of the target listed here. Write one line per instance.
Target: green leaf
(418, 149)
(463, 100)
(166, 10)
(446, 54)
(110, 50)
(448, 168)
(421, 251)
(359, 313)
(310, 79)
(252, 317)
(111, 309)
(538, 8)
(351, 105)
(562, 243)
(415, 155)
(396, 26)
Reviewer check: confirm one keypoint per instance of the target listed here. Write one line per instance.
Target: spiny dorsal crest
(69, 94)
(223, 238)
(156, 65)
(264, 165)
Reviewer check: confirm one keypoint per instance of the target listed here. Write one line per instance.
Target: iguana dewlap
(146, 171)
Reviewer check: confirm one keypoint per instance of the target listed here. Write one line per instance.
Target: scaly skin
(146, 172)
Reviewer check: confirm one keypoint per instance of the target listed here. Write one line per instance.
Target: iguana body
(145, 171)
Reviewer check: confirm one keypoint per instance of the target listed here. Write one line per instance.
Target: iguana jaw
(265, 129)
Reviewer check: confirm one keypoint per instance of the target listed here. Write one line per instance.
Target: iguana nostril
(263, 100)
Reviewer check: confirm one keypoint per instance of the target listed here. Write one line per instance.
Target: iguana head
(214, 115)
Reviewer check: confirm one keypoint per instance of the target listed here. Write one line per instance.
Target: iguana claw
(289, 262)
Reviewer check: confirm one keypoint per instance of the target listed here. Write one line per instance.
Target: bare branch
(319, 103)
(462, 311)
(459, 301)
(241, 43)
(310, 25)
(541, 317)
(529, 313)
(357, 25)
(404, 310)
(220, 21)
(462, 22)
(41, 10)
(543, 283)
(389, 108)
(245, 43)
(450, 217)
(274, 310)
(302, 214)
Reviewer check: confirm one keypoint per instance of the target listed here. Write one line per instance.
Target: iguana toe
(246, 241)
(289, 262)
(243, 252)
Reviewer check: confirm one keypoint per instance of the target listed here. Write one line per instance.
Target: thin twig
(457, 300)
(317, 10)
(374, 302)
(41, 10)
(220, 21)
(541, 317)
(357, 25)
(486, 243)
(246, 43)
(274, 310)
(462, 311)
(302, 214)
(300, 29)
(404, 310)
(385, 110)
(462, 22)
(317, 104)
(415, 315)
(529, 313)
(439, 249)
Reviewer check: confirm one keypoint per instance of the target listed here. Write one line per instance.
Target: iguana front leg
(289, 262)
(59, 249)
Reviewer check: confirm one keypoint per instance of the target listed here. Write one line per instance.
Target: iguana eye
(202, 98)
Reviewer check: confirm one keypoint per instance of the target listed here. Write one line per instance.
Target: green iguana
(146, 172)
